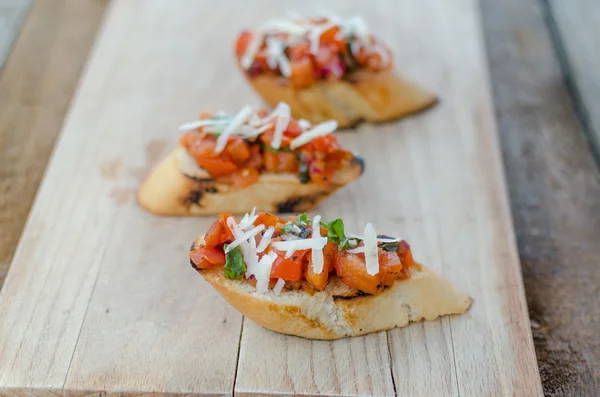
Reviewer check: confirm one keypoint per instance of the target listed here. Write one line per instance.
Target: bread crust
(339, 311)
(362, 95)
(168, 191)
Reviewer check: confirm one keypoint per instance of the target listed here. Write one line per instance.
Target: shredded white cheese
(322, 129)
(263, 272)
(244, 237)
(303, 244)
(284, 26)
(192, 125)
(265, 240)
(237, 121)
(370, 247)
(248, 58)
(357, 250)
(283, 119)
(248, 220)
(317, 253)
(314, 35)
(304, 124)
(358, 26)
(279, 286)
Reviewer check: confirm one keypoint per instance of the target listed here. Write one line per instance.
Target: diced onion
(265, 240)
(322, 129)
(317, 253)
(371, 257)
(279, 286)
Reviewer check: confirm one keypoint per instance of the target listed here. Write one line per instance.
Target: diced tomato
(319, 173)
(223, 216)
(256, 158)
(206, 257)
(329, 34)
(280, 161)
(242, 43)
(351, 269)
(268, 219)
(190, 138)
(204, 115)
(390, 267)
(214, 235)
(238, 150)
(293, 129)
(214, 256)
(303, 73)
(201, 148)
(329, 253)
(245, 177)
(287, 268)
(198, 259)
(405, 254)
(217, 166)
(319, 280)
(299, 51)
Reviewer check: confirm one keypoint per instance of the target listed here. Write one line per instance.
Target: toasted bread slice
(177, 189)
(339, 311)
(363, 95)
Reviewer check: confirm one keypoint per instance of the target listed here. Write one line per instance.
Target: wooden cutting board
(100, 298)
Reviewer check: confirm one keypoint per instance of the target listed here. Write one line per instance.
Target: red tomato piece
(217, 166)
(351, 269)
(289, 269)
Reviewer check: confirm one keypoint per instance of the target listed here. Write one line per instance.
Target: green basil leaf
(235, 267)
(297, 227)
(335, 234)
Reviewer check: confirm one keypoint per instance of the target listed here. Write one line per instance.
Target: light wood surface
(578, 25)
(554, 190)
(36, 86)
(99, 289)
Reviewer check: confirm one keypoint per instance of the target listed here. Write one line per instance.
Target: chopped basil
(264, 146)
(335, 234)
(348, 57)
(235, 266)
(303, 169)
(297, 227)
(391, 247)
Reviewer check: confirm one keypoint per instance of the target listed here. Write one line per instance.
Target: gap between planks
(583, 102)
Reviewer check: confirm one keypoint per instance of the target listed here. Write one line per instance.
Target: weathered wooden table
(544, 58)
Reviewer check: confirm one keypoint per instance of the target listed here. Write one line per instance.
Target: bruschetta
(251, 159)
(319, 285)
(328, 68)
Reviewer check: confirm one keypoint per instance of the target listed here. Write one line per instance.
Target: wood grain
(12, 15)
(449, 159)
(100, 298)
(36, 87)
(577, 23)
(554, 190)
